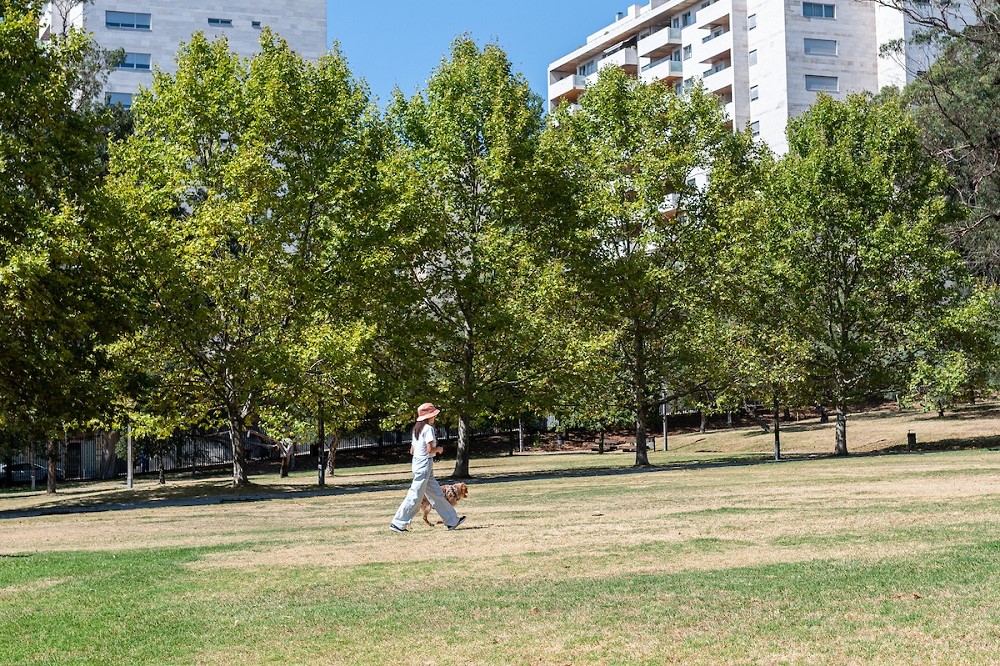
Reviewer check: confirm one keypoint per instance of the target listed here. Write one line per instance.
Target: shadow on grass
(991, 442)
(984, 411)
(215, 491)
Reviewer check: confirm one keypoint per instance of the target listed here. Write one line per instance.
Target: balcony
(715, 14)
(719, 78)
(567, 89)
(670, 205)
(715, 49)
(627, 59)
(660, 43)
(663, 69)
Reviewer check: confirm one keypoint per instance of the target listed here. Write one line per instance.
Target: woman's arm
(433, 448)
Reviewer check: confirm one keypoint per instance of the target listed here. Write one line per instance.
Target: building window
(688, 83)
(255, 25)
(135, 61)
(751, 22)
(753, 57)
(818, 10)
(220, 23)
(123, 100)
(686, 19)
(755, 128)
(821, 47)
(822, 83)
(127, 20)
(754, 93)
(687, 52)
(587, 68)
(679, 89)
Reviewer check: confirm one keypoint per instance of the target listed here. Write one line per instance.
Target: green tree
(630, 151)
(473, 286)
(62, 279)
(760, 355)
(954, 104)
(864, 213)
(957, 360)
(246, 178)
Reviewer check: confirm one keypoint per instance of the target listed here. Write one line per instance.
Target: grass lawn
(714, 556)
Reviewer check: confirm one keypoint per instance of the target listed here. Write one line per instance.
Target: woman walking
(424, 448)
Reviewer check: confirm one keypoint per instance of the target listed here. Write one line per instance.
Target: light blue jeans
(424, 485)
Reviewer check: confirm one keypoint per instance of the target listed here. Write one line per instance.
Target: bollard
(911, 440)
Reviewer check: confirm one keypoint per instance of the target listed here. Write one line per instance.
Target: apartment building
(765, 59)
(150, 31)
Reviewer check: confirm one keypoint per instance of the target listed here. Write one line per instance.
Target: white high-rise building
(765, 59)
(150, 31)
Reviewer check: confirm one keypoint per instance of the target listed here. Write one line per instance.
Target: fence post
(131, 465)
(321, 472)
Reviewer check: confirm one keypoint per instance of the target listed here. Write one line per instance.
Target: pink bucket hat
(427, 411)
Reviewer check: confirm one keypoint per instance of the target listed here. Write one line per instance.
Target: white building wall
(770, 72)
(768, 59)
(301, 22)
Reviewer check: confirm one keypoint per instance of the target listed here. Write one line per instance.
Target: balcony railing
(707, 39)
(569, 87)
(657, 43)
(676, 66)
(621, 58)
(715, 70)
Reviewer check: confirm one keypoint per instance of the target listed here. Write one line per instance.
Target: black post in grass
(321, 436)
(777, 429)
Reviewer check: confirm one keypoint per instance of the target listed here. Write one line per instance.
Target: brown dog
(451, 493)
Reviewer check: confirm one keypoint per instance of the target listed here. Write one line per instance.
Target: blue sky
(399, 42)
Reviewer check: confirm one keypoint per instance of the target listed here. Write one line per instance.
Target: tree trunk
(787, 415)
(462, 455)
(704, 421)
(162, 478)
(331, 458)
(823, 416)
(752, 412)
(237, 435)
(940, 410)
(639, 380)
(52, 455)
(841, 447)
(287, 455)
(729, 418)
(600, 442)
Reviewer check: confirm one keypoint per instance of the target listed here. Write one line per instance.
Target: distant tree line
(257, 244)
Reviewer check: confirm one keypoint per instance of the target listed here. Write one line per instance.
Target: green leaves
(865, 212)
(248, 179)
(467, 233)
(630, 152)
(62, 292)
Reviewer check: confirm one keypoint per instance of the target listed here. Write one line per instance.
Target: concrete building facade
(150, 31)
(766, 59)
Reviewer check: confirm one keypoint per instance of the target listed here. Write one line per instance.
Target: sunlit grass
(565, 559)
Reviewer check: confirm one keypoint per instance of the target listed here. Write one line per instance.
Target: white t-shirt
(420, 442)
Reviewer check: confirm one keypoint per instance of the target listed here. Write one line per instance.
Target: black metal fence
(97, 456)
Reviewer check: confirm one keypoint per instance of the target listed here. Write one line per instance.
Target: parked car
(21, 473)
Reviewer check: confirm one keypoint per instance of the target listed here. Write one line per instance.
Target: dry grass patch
(870, 559)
